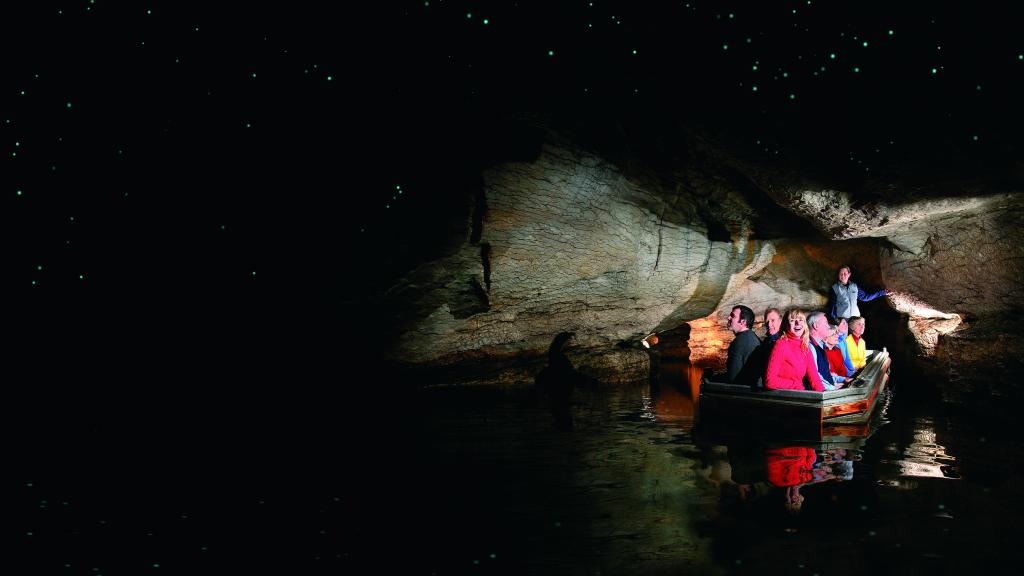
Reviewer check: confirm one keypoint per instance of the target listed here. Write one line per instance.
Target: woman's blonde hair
(805, 338)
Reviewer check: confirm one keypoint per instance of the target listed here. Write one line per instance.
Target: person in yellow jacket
(855, 343)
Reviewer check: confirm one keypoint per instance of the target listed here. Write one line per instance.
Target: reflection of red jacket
(789, 466)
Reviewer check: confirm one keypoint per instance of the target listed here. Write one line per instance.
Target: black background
(154, 374)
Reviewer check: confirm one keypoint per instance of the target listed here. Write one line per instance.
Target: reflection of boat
(831, 437)
(836, 416)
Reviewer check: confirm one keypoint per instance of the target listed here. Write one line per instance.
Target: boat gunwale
(872, 373)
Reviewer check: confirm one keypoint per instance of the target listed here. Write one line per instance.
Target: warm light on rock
(709, 340)
(925, 323)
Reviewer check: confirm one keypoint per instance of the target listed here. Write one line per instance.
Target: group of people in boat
(801, 350)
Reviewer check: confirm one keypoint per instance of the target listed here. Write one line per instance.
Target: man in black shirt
(740, 321)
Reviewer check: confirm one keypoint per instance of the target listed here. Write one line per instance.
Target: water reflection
(924, 457)
(485, 481)
(751, 469)
(794, 467)
(559, 380)
(628, 488)
(672, 404)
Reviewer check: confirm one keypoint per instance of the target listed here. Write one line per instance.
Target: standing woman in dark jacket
(843, 296)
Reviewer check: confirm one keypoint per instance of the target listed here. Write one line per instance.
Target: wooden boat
(724, 408)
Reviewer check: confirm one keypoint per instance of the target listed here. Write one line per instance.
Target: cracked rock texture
(612, 252)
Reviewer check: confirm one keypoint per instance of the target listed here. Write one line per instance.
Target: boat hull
(731, 408)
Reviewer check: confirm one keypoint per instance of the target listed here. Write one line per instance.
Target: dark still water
(618, 484)
(487, 481)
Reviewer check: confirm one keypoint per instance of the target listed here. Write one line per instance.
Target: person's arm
(812, 370)
(772, 375)
(826, 383)
(809, 457)
(754, 361)
(734, 363)
(855, 351)
(831, 306)
(865, 297)
(846, 356)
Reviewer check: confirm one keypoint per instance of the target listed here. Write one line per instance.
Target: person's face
(820, 329)
(734, 323)
(857, 329)
(794, 500)
(832, 340)
(843, 327)
(844, 275)
(774, 322)
(796, 325)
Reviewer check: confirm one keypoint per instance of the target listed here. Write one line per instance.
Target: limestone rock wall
(959, 282)
(954, 262)
(571, 243)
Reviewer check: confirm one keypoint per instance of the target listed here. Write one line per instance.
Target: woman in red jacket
(791, 359)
